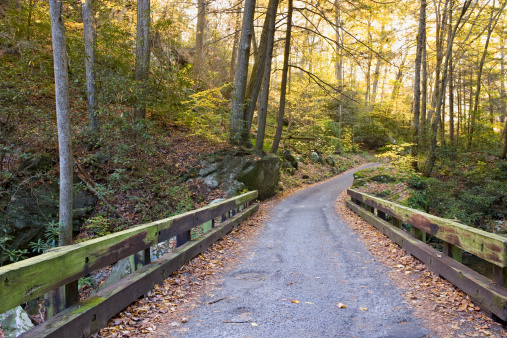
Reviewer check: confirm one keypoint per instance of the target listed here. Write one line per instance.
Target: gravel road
(306, 261)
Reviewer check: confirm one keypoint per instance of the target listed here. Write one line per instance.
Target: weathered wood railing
(490, 294)
(34, 277)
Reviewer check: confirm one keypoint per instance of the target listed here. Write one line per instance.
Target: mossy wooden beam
(488, 246)
(490, 296)
(31, 278)
(87, 317)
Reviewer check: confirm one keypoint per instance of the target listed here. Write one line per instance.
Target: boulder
(330, 160)
(35, 163)
(261, 174)
(100, 157)
(15, 322)
(30, 210)
(290, 158)
(288, 168)
(234, 174)
(315, 158)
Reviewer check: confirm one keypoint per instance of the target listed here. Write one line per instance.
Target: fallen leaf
(294, 301)
(364, 308)
(254, 324)
(341, 305)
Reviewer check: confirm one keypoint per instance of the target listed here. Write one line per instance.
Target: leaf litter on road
(444, 308)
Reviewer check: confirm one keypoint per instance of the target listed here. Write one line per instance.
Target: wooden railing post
(419, 234)
(183, 238)
(500, 275)
(453, 251)
(396, 222)
(139, 259)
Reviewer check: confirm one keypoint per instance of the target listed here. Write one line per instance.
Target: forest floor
(444, 309)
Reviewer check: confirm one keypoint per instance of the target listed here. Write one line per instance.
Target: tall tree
(254, 84)
(283, 89)
(199, 37)
(142, 51)
(238, 123)
(417, 80)
(262, 110)
(63, 120)
(89, 40)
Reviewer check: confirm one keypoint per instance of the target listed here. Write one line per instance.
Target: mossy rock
(383, 179)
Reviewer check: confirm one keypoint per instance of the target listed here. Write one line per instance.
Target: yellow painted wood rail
(491, 294)
(34, 277)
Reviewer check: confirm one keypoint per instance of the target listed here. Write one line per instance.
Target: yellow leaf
(295, 301)
(341, 305)
(364, 308)
(254, 324)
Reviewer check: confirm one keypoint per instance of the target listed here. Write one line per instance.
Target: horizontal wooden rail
(33, 277)
(490, 294)
(85, 318)
(488, 246)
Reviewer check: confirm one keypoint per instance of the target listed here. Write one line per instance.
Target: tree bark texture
(199, 38)
(238, 124)
(235, 43)
(262, 110)
(63, 121)
(417, 79)
(255, 82)
(286, 55)
(89, 41)
(142, 52)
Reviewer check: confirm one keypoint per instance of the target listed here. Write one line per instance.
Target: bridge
(306, 263)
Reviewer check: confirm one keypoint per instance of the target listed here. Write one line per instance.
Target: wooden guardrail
(456, 237)
(63, 266)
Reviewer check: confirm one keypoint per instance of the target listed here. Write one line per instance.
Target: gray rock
(235, 174)
(35, 163)
(262, 175)
(330, 160)
(212, 181)
(290, 158)
(208, 169)
(15, 322)
(315, 158)
(100, 157)
(120, 270)
(288, 168)
(30, 210)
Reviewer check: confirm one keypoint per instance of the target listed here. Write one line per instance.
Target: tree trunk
(199, 38)
(235, 43)
(89, 40)
(417, 82)
(286, 55)
(237, 125)
(433, 146)
(378, 65)
(255, 82)
(339, 70)
(424, 92)
(503, 96)
(56, 300)
(142, 52)
(63, 121)
(262, 110)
